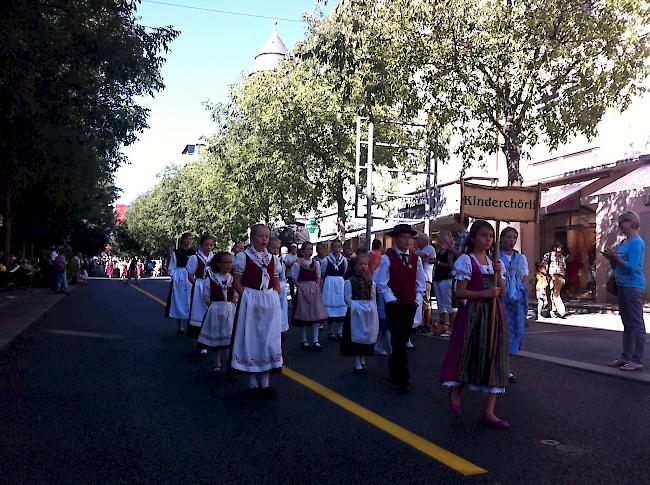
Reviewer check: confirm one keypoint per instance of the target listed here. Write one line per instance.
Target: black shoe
(511, 378)
(305, 346)
(255, 393)
(180, 331)
(268, 393)
(332, 336)
(362, 371)
(317, 347)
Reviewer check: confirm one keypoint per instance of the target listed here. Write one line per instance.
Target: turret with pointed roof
(273, 52)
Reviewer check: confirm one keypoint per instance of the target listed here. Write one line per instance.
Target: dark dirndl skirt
(350, 348)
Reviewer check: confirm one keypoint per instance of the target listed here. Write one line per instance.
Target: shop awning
(562, 198)
(635, 180)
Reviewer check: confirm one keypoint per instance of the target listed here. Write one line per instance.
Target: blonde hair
(258, 227)
(631, 217)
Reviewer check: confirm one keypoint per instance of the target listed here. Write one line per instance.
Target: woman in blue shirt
(627, 262)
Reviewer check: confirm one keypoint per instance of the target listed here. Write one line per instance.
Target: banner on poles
(512, 204)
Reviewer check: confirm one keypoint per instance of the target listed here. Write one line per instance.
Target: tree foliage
(70, 71)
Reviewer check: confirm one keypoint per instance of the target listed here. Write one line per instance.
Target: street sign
(512, 204)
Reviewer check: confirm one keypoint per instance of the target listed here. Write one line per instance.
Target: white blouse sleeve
(295, 271)
(373, 292)
(317, 268)
(192, 264)
(277, 266)
(172, 264)
(239, 263)
(347, 292)
(463, 268)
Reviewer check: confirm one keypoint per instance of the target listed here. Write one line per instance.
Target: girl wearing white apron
(197, 266)
(256, 338)
(180, 290)
(219, 293)
(361, 326)
(332, 270)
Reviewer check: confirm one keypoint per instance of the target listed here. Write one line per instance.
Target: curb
(18, 325)
(635, 376)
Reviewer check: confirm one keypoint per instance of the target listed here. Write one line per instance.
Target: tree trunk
(340, 210)
(7, 221)
(512, 149)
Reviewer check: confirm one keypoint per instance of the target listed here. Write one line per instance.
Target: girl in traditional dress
(515, 297)
(197, 265)
(256, 346)
(109, 268)
(332, 270)
(180, 290)
(361, 326)
(220, 296)
(310, 311)
(274, 249)
(470, 362)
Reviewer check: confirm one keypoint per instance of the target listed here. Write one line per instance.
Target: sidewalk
(20, 308)
(585, 341)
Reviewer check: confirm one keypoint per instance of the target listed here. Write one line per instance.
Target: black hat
(402, 229)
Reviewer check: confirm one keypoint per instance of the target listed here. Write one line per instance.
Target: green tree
(70, 73)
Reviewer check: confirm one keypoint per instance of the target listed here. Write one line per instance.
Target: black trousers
(400, 321)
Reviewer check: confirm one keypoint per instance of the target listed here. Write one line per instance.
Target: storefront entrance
(576, 230)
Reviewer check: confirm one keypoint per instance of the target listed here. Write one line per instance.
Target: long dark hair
(216, 261)
(477, 225)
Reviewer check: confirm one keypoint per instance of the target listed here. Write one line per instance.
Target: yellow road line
(150, 295)
(430, 449)
(434, 451)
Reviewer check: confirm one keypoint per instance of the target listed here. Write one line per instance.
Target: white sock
(303, 333)
(339, 327)
(314, 332)
(357, 362)
(252, 380)
(264, 379)
(363, 361)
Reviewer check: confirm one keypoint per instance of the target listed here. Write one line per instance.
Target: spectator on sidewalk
(461, 226)
(53, 275)
(60, 265)
(555, 264)
(374, 257)
(442, 281)
(427, 254)
(627, 263)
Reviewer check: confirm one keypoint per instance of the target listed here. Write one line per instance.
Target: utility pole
(371, 135)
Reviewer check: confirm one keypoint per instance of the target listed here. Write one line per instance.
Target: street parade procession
(324, 241)
(235, 306)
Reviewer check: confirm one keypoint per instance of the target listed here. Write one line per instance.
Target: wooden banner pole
(492, 330)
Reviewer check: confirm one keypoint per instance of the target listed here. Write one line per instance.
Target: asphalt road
(102, 390)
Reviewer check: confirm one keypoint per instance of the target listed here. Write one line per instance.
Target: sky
(211, 52)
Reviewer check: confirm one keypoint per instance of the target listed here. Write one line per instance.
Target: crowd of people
(131, 268)
(57, 269)
(237, 305)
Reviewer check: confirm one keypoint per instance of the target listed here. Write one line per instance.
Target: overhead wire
(226, 12)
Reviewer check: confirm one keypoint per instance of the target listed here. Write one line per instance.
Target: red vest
(307, 274)
(252, 277)
(216, 294)
(200, 268)
(402, 278)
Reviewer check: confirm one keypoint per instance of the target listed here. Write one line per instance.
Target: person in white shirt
(427, 254)
(401, 282)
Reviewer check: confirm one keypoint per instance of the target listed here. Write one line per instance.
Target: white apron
(199, 307)
(417, 319)
(256, 344)
(181, 292)
(333, 297)
(217, 325)
(364, 322)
